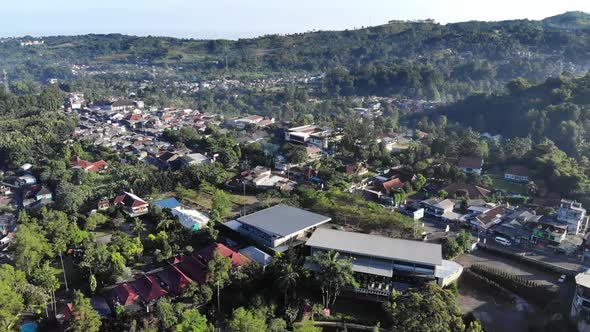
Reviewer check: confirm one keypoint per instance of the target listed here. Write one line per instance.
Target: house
(88, 166)
(25, 180)
(262, 178)
(311, 134)
(101, 306)
(547, 232)
(167, 203)
(257, 255)
(194, 159)
(514, 226)
(279, 226)
(206, 254)
(103, 204)
(126, 294)
(574, 215)
(5, 190)
(517, 173)
(193, 268)
(440, 208)
(313, 152)
(190, 219)
(149, 288)
(165, 160)
(484, 221)
(132, 205)
(580, 309)
(7, 223)
(37, 195)
(469, 191)
(382, 264)
(175, 280)
(470, 165)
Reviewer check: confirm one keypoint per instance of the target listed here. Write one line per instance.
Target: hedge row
(479, 281)
(529, 290)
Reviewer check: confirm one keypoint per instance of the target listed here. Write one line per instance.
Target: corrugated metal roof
(283, 220)
(376, 246)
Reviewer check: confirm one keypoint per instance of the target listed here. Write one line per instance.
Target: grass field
(498, 182)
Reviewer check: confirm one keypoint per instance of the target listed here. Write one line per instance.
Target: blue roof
(168, 203)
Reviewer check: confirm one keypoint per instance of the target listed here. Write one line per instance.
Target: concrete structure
(257, 255)
(280, 225)
(517, 173)
(574, 215)
(580, 309)
(194, 159)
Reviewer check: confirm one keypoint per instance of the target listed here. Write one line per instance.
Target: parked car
(561, 278)
(502, 241)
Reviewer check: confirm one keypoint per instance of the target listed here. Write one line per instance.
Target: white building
(572, 213)
(191, 219)
(580, 310)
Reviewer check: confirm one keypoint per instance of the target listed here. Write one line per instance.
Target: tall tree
(247, 321)
(219, 269)
(31, 247)
(332, 273)
(85, 318)
(192, 321)
(427, 309)
(287, 280)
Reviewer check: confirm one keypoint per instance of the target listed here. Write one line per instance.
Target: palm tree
(138, 226)
(332, 273)
(165, 223)
(287, 280)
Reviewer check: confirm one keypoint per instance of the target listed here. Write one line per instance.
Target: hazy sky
(246, 18)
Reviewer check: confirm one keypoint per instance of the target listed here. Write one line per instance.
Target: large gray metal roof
(283, 220)
(376, 246)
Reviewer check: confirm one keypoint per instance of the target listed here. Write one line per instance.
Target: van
(502, 241)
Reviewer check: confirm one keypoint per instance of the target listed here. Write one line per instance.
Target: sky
(233, 19)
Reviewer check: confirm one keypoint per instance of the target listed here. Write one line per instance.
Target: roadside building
(382, 264)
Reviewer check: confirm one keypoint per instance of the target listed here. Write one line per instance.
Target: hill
(557, 109)
(569, 20)
(414, 59)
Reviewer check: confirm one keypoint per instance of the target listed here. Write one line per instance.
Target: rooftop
(377, 246)
(283, 220)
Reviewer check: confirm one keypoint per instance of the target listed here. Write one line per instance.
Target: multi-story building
(574, 215)
(580, 310)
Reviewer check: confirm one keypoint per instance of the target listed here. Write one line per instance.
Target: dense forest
(423, 60)
(558, 109)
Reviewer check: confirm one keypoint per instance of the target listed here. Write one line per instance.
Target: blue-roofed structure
(167, 203)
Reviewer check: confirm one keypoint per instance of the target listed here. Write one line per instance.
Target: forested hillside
(558, 109)
(420, 60)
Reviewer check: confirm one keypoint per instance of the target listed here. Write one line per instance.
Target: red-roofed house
(517, 173)
(132, 205)
(471, 165)
(149, 288)
(66, 311)
(174, 279)
(89, 166)
(395, 183)
(126, 294)
(194, 269)
(206, 254)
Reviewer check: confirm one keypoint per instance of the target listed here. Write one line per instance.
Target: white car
(561, 278)
(502, 241)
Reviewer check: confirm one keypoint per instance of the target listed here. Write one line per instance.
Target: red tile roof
(126, 294)
(149, 288)
(88, 165)
(129, 200)
(206, 254)
(174, 279)
(194, 269)
(470, 162)
(394, 183)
